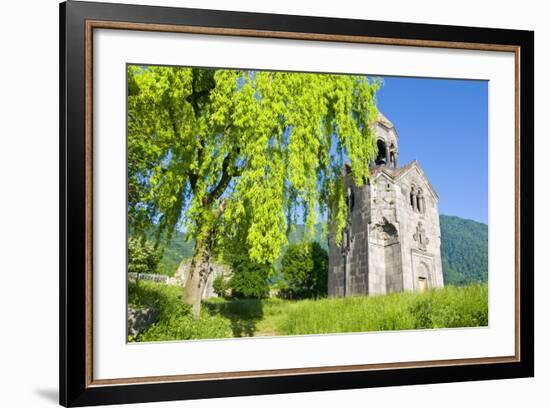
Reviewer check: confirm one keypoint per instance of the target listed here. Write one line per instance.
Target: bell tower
(386, 142)
(392, 239)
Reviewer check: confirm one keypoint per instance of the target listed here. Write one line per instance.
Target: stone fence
(180, 277)
(154, 277)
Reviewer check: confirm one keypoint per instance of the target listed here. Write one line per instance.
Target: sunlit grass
(449, 307)
(437, 308)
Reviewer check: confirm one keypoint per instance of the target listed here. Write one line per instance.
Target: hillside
(177, 250)
(464, 250)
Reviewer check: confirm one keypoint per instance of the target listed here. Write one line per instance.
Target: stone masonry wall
(413, 252)
(387, 246)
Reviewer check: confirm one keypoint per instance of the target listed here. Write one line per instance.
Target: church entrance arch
(423, 277)
(387, 255)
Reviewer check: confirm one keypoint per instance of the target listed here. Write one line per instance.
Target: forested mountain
(177, 250)
(464, 250)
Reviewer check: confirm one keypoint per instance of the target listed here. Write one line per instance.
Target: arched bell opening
(393, 156)
(382, 156)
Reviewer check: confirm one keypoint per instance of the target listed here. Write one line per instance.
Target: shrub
(166, 299)
(184, 327)
(220, 286)
(250, 279)
(305, 270)
(174, 317)
(143, 257)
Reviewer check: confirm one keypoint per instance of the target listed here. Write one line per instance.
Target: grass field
(450, 307)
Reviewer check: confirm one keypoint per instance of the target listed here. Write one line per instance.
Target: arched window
(420, 201)
(351, 199)
(417, 201)
(381, 156)
(413, 197)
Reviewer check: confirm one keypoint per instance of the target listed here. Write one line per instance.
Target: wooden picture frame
(78, 20)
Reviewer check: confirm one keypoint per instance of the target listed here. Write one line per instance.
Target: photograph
(255, 203)
(279, 203)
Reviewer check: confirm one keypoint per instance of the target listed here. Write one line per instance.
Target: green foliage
(299, 234)
(305, 270)
(221, 318)
(179, 248)
(239, 154)
(174, 321)
(464, 250)
(184, 327)
(165, 298)
(143, 257)
(220, 286)
(250, 279)
(176, 249)
(438, 308)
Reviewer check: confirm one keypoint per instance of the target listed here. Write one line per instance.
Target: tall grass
(449, 307)
(439, 308)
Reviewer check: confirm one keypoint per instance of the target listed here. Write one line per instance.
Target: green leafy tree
(250, 279)
(242, 154)
(305, 270)
(220, 286)
(143, 257)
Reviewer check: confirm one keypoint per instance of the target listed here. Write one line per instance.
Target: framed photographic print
(255, 203)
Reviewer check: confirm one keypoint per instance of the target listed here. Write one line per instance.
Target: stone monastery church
(392, 239)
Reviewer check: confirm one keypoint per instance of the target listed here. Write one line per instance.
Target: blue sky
(443, 124)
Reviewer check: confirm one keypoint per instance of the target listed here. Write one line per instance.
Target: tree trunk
(198, 276)
(199, 270)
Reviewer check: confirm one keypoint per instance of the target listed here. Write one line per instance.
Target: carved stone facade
(392, 239)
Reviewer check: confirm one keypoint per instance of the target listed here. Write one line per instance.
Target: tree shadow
(244, 314)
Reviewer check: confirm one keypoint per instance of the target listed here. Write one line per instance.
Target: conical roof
(383, 120)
